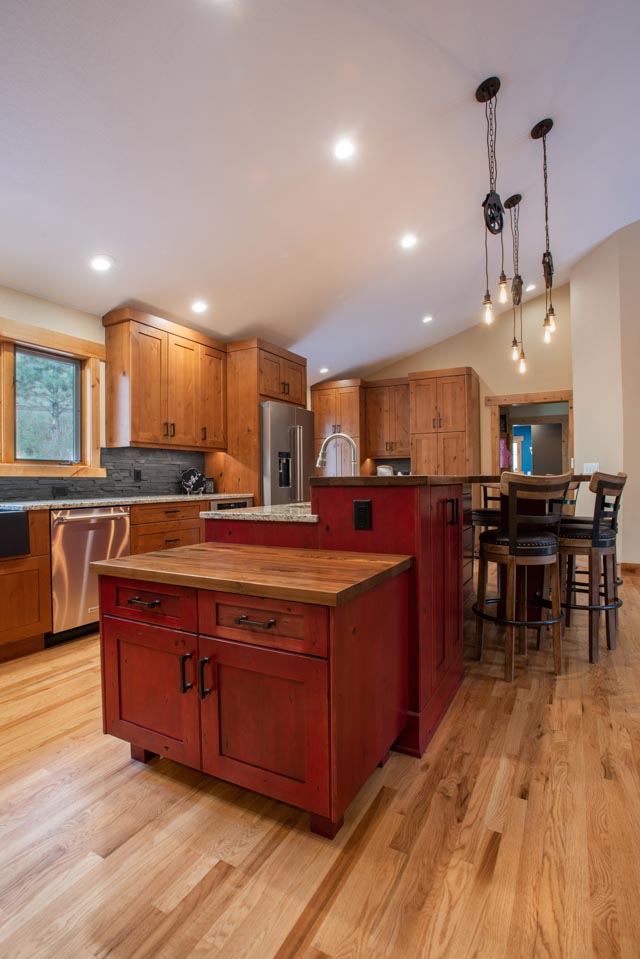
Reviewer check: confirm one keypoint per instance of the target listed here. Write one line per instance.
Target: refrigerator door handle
(298, 462)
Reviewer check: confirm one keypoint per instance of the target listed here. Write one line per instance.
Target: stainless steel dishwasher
(78, 537)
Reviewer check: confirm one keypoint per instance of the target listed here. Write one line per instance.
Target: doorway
(532, 433)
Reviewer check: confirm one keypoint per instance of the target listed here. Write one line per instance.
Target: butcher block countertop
(417, 480)
(321, 577)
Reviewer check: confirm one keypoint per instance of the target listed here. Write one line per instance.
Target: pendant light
(492, 205)
(512, 204)
(539, 132)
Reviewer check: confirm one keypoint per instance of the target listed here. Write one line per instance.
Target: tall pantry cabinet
(445, 422)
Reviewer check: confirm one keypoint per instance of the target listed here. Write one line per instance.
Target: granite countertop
(80, 503)
(284, 513)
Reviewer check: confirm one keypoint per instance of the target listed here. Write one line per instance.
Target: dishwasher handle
(63, 520)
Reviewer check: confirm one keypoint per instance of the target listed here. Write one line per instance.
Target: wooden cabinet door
(348, 410)
(451, 403)
(25, 598)
(325, 417)
(295, 379)
(212, 409)
(270, 378)
(399, 436)
(145, 701)
(265, 721)
(377, 421)
(452, 563)
(424, 416)
(149, 373)
(424, 454)
(183, 383)
(452, 454)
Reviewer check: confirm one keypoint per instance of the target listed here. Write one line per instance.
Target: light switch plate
(591, 467)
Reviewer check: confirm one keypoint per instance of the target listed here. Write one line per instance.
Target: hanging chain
(492, 130)
(514, 213)
(546, 190)
(486, 257)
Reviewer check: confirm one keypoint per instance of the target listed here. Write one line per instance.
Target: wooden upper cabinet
(325, 417)
(387, 418)
(377, 420)
(148, 384)
(165, 384)
(281, 378)
(451, 403)
(182, 389)
(424, 406)
(348, 401)
(212, 410)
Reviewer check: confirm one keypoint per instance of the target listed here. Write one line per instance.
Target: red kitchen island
(421, 516)
(280, 670)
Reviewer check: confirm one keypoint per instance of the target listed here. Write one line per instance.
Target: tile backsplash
(160, 476)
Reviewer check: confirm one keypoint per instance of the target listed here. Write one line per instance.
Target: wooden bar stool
(595, 538)
(487, 516)
(531, 539)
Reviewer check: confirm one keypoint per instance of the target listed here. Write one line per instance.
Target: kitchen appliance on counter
(286, 439)
(80, 536)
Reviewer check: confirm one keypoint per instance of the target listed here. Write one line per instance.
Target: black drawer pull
(184, 685)
(202, 689)
(166, 429)
(173, 429)
(245, 621)
(176, 540)
(168, 512)
(150, 604)
(204, 432)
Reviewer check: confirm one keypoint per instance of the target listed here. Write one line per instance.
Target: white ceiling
(191, 139)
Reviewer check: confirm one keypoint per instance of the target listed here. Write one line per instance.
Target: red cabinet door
(145, 701)
(265, 721)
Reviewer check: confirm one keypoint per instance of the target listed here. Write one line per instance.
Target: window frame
(90, 355)
(77, 365)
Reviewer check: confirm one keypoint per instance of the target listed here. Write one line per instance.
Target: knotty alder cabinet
(338, 407)
(165, 384)
(445, 422)
(387, 419)
(293, 700)
(25, 592)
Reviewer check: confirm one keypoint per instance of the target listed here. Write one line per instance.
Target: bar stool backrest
(490, 497)
(518, 487)
(567, 506)
(608, 488)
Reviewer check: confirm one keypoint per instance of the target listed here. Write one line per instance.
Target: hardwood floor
(516, 835)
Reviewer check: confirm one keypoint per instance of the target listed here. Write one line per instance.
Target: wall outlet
(137, 476)
(591, 468)
(362, 514)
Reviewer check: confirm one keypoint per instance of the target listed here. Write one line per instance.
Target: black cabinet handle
(202, 689)
(204, 432)
(433, 422)
(176, 540)
(169, 512)
(454, 512)
(150, 604)
(245, 621)
(283, 387)
(166, 429)
(338, 427)
(184, 685)
(287, 391)
(173, 429)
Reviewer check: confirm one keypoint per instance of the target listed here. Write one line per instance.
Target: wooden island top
(321, 577)
(419, 480)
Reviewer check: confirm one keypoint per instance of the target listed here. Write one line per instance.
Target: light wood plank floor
(516, 835)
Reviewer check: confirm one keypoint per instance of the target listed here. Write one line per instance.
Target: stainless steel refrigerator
(286, 438)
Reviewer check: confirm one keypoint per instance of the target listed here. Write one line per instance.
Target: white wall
(488, 350)
(51, 316)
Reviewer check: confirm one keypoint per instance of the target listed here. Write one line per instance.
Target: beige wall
(630, 343)
(488, 350)
(51, 316)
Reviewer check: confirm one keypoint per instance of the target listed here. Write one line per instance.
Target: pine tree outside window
(48, 407)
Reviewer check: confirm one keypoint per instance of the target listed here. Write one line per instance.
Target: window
(51, 402)
(48, 407)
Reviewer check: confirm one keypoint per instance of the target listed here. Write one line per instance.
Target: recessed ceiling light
(325, 369)
(529, 288)
(102, 262)
(199, 306)
(427, 319)
(344, 149)
(408, 241)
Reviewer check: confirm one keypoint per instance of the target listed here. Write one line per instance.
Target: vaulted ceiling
(191, 140)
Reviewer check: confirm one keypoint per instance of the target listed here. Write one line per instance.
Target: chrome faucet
(322, 455)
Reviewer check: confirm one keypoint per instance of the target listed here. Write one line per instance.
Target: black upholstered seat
(585, 532)
(527, 543)
(485, 516)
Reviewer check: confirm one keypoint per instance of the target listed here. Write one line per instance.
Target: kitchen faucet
(322, 455)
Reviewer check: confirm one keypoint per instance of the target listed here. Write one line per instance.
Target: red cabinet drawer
(172, 606)
(293, 627)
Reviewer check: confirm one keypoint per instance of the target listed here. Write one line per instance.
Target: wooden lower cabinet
(304, 728)
(265, 721)
(157, 526)
(25, 593)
